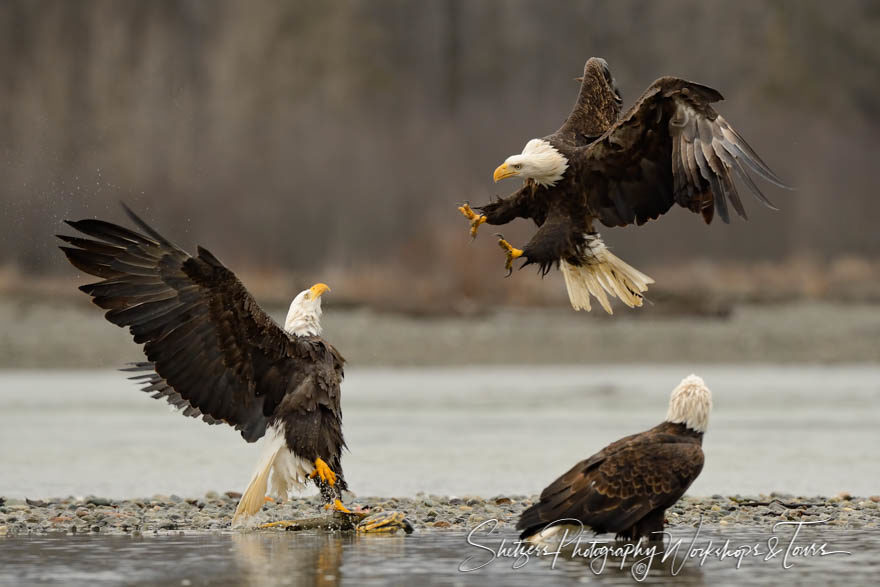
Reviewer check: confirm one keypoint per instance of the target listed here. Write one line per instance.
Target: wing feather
(158, 388)
(209, 345)
(709, 177)
(673, 127)
(618, 486)
(597, 105)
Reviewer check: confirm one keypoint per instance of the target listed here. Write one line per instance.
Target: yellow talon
(476, 224)
(512, 253)
(337, 506)
(467, 211)
(324, 472)
(268, 499)
(476, 219)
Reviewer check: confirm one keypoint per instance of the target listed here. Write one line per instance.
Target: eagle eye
(517, 165)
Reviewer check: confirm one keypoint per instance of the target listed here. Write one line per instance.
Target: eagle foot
(337, 506)
(385, 523)
(324, 472)
(476, 219)
(511, 251)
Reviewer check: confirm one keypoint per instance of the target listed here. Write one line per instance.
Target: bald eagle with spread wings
(671, 147)
(627, 486)
(215, 354)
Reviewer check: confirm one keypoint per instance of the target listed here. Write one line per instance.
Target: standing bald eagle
(213, 352)
(627, 486)
(670, 148)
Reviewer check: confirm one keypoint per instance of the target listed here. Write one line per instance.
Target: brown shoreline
(46, 334)
(213, 513)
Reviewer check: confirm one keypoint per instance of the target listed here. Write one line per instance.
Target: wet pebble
(96, 501)
(171, 514)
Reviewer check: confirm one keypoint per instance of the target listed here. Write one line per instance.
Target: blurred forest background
(315, 140)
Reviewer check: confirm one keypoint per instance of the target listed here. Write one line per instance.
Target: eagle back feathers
(622, 483)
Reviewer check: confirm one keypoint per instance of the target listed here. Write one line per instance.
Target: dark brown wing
(670, 147)
(158, 388)
(615, 488)
(212, 347)
(597, 106)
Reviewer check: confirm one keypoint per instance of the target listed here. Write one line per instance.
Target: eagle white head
(690, 404)
(304, 315)
(539, 160)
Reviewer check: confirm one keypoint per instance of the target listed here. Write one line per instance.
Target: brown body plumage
(211, 350)
(626, 487)
(670, 148)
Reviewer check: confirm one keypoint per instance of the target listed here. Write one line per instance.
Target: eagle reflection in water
(269, 558)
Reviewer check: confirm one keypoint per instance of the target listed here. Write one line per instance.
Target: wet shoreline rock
(213, 512)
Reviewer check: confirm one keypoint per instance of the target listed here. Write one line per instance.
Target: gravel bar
(163, 514)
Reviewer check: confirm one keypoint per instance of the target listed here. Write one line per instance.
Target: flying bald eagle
(215, 354)
(670, 148)
(627, 486)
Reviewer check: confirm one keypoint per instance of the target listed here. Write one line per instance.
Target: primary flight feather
(214, 353)
(671, 147)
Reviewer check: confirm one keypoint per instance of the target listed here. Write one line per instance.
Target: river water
(462, 431)
(433, 558)
(481, 431)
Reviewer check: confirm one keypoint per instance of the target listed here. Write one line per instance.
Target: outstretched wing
(615, 488)
(670, 147)
(215, 352)
(597, 106)
(158, 388)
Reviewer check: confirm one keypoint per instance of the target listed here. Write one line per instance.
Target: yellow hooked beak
(317, 290)
(504, 171)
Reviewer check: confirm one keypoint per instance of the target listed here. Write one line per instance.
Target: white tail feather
(603, 272)
(254, 496)
(289, 472)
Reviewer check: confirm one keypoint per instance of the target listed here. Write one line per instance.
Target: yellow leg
(476, 219)
(337, 506)
(323, 471)
(512, 253)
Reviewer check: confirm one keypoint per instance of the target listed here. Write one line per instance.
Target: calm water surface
(810, 430)
(483, 431)
(418, 559)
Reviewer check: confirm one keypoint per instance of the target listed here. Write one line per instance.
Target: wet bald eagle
(215, 354)
(670, 148)
(627, 486)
